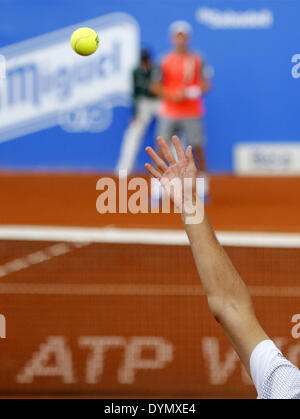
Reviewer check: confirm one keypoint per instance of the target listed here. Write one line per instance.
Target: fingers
(157, 160)
(189, 154)
(153, 171)
(178, 147)
(165, 149)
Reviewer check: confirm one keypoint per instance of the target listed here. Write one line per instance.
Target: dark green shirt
(141, 83)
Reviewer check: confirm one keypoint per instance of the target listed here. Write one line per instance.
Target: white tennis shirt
(273, 375)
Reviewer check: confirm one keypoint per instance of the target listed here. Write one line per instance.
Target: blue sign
(63, 112)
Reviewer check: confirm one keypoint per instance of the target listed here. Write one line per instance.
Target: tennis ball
(85, 41)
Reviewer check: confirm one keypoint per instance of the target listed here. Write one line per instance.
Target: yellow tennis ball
(85, 41)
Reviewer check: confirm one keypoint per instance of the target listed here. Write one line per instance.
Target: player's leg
(166, 128)
(195, 136)
(154, 105)
(134, 135)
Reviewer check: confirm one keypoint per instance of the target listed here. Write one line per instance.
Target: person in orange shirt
(181, 82)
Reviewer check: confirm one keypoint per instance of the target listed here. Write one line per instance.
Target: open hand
(175, 172)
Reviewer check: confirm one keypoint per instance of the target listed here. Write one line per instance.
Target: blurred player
(228, 298)
(145, 109)
(181, 83)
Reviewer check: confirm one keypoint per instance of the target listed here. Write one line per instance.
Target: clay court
(111, 305)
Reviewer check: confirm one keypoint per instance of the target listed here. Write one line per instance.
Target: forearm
(206, 85)
(222, 284)
(158, 90)
(228, 297)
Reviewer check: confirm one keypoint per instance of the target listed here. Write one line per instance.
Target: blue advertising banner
(63, 112)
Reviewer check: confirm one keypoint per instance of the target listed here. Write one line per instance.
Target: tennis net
(112, 311)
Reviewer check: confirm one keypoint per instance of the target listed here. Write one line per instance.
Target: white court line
(38, 257)
(132, 290)
(144, 236)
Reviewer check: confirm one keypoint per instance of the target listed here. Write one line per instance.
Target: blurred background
(110, 304)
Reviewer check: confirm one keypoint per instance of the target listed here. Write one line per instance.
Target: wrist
(193, 211)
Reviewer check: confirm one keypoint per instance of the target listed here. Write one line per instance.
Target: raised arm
(227, 294)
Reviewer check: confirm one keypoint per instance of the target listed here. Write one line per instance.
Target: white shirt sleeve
(273, 375)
